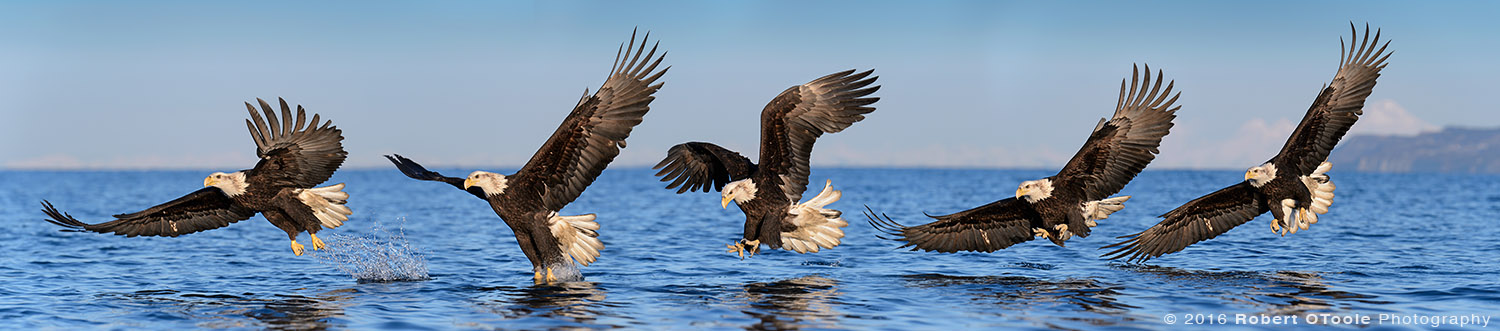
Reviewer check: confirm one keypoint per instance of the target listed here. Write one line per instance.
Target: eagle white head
(1034, 190)
(1259, 175)
(232, 184)
(491, 183)
(740, 191)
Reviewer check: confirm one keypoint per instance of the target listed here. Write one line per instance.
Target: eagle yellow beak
(468, 182)
(209, 181)
(1249, 175)
(725, 201)
(1020, 192)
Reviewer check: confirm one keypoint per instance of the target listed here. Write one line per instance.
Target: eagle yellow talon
(744, 248)
(1040, 233)
(317, 244)
(550, 278)
(296, 248)
(1306, 218)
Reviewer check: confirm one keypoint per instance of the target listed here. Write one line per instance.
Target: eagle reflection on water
(791, 304)
(217, 311)
(577, 302)
(1273, 292)
(1019, 294)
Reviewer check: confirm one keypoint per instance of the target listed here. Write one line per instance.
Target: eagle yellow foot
(1062, 231)
(1040, 233)
(1305, 218)
(547, 278)
(1277, 228)
(317, 244)
(296, 248)
(744, 248)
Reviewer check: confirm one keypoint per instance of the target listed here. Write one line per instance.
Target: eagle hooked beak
(1249, 175)
(209, 181)
(1020, 192)
(468, 182)
(725, 202)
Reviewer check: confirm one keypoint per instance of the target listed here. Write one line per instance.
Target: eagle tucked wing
(416, 171)
(1120, 148)
(205, 209)
(1201, 219)
(293, 153)
(987, 228)
(594, 132)
(700, 165)
(1336, 108)
(794, 120)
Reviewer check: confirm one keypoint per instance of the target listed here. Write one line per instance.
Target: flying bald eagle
(1293, 185)
(588, 139)
(768, 192)
(294, 157)
(1066, 204)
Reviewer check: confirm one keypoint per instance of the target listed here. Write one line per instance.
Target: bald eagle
(294, 157)
(768, 192)
(1066, 204)
(588, 139)
(1294, 185)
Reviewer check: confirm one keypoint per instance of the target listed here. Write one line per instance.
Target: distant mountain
(1452, 150)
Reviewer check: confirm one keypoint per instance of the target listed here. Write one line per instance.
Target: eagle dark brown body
(1293, 185)
(1064, 205)
(294, 157)
(578, 151)
(768, 192)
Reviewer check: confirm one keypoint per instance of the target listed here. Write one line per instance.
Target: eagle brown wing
(700, 165)
(1337, 107)
(987, 228)
(794, 120)
(205, 209)
(292, 152)
(592, 135)
(1121, 147)
(1198, 220)
(416, 171)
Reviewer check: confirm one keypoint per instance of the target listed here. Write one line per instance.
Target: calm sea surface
(1393, 244)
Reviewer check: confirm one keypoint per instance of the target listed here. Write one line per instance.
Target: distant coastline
(1451, 150)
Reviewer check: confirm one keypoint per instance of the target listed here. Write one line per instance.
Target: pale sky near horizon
(992, 84)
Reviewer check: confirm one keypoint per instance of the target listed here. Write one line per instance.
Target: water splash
(379, 256)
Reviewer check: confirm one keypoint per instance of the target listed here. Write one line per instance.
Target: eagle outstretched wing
(702, 166)
(1337, 107)
(794, 120)
(1122, 146)
(416, 171)
(592, 135)
(986, 228)
(205, 209)
(293, 153)
(1198, 220)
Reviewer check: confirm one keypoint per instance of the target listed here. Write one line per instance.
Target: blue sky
(965, 84)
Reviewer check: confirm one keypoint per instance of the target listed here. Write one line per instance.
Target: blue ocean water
(1394, 244)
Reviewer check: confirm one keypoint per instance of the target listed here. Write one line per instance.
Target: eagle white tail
(327, 203)
(577, 236)
(1321, 187)
(1098, 210)
(817, 228)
